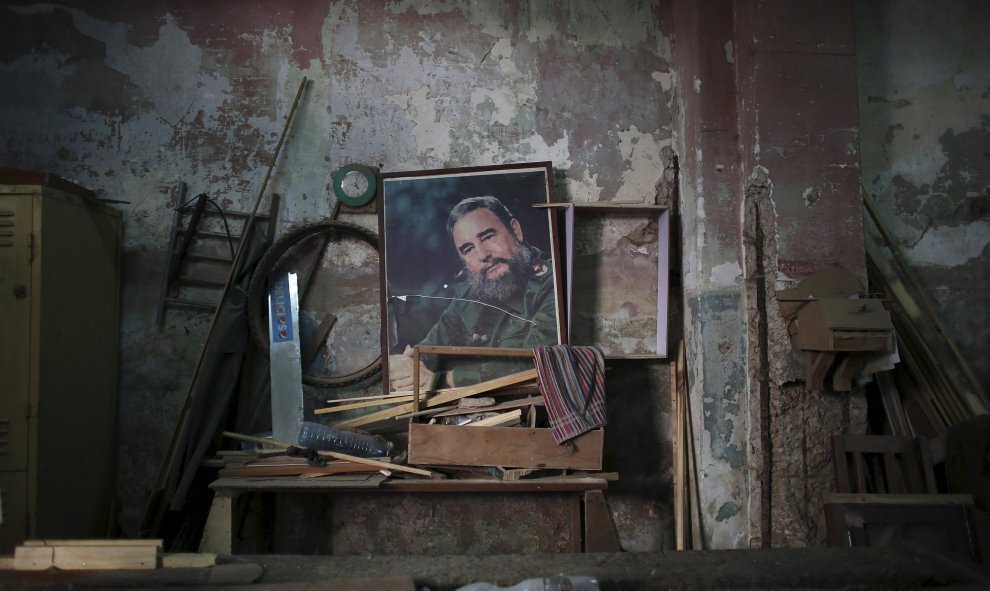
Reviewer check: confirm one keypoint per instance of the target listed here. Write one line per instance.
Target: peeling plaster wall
(131, 98)
(924, 100)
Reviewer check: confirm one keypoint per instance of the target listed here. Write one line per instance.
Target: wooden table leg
(599, 532)
(817, 364)
(218, 532)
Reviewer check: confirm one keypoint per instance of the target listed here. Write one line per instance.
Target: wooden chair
(881, 464)
(887, 492)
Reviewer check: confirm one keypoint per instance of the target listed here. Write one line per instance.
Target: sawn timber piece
(507, 447)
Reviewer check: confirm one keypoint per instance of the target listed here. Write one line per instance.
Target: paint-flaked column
(710, 225)
(768, 138)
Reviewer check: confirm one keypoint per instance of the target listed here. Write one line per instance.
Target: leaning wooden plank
(694, 496)
(509, 405)
(364, 404)
(263, 470)
(677, 449)
(33, 557)
(892, 406)
(975, 398)
(386, 397)
(510, 447)
(497, 420)
(442, 398)
(106, 557)
(385, 465)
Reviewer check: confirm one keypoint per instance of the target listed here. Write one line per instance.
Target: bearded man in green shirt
(504, 296)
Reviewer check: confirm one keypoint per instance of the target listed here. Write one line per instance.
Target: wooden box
(845, 325)
(506, 447)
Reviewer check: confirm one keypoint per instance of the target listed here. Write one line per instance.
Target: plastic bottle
(558, 583)
(324, 438)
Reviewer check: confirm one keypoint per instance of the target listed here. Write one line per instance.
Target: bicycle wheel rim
(274, 260)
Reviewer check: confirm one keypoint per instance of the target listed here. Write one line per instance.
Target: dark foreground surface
(902, 567)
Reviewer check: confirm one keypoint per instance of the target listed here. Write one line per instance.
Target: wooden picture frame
(437, 293)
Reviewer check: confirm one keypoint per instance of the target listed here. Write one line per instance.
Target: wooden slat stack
(933, 385)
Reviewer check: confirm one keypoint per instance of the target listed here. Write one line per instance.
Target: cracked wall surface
(924, 98)
(129, 99)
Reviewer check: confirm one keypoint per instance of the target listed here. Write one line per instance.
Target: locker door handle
(20, 291)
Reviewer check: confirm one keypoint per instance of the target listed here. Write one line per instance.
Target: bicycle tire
(258, 293)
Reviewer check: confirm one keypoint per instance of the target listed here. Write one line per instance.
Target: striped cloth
(572, 381)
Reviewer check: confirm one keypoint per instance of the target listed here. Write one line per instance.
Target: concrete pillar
(767, 133)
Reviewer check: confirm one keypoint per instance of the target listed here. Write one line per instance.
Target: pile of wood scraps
(486, 430)
(403, 405)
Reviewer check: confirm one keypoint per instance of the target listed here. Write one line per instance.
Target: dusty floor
(906, 567)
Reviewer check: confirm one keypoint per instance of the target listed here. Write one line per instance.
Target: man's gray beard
(509, 283)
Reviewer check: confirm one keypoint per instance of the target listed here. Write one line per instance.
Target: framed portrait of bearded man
(467, 261)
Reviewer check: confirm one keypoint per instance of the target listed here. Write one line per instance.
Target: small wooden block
(33, 558)
(188, 560)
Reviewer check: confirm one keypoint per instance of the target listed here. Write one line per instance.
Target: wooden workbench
(591, 526)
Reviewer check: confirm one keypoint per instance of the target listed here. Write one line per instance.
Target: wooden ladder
(201, 248)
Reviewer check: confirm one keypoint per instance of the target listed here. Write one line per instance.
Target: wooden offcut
(33, 557)
(88, 554)
(501, 419)
(511, 447)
